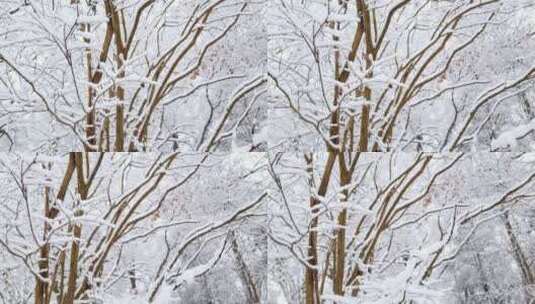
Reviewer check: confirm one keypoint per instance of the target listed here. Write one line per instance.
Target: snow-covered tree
(99, 227)
(383, 75)
(398, 228)
(146, 75)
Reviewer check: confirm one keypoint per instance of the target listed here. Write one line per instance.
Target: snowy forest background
(267, 151)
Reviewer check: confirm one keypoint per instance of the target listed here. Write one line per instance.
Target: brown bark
(340, 248)
(368, 54)
(43, 289)
(76, 231)
(120, 57)
(312, 295)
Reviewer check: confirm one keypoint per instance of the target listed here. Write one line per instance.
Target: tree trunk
(312, 295)
(527, 275)
(251, 289)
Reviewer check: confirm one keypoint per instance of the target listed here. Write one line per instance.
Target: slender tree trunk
(369, 55)
(42, 289)
(90, 118)
(340, 248)
(132, 278)
(76, 230)
(312, 295)
(528, 279)
(250, 287)
(120, 57)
